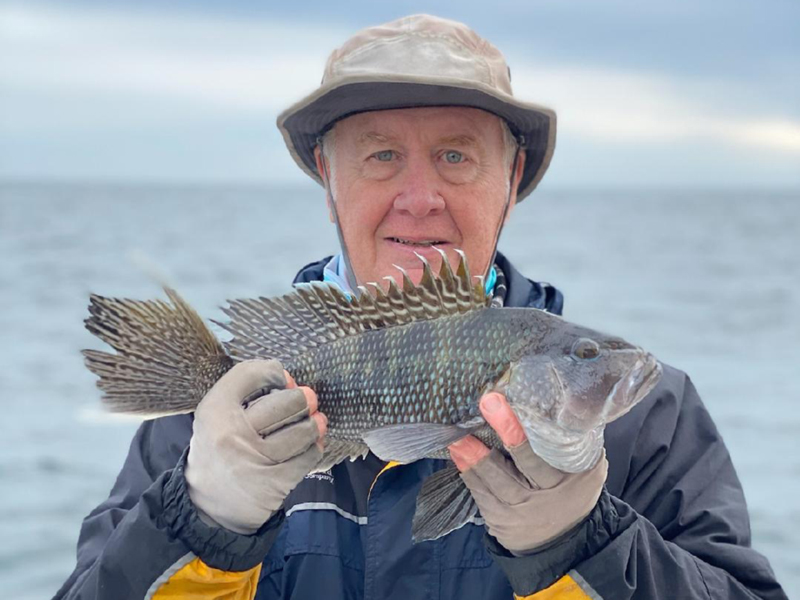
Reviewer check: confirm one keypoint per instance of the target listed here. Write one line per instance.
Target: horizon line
(307, 185)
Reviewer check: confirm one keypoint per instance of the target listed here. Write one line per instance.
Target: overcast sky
(674, 93)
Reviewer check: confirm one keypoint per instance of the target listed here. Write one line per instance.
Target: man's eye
(453, 157)
(384, 155)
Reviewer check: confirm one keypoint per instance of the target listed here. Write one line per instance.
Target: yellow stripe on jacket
(389, 465)
(198, 581)
(564, 589)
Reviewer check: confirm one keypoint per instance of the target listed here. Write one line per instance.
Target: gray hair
(329, 147)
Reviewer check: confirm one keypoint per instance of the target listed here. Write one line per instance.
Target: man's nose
(420, 195)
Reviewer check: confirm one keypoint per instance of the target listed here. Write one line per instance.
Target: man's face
(406, 179)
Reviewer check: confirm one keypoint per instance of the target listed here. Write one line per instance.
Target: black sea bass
(397, 372)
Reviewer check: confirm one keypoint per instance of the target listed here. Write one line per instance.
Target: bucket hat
(417, 61)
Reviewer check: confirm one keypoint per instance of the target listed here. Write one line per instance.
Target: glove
(256, 435)
(524, 501)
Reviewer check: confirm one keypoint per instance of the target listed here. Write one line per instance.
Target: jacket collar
(522, 292)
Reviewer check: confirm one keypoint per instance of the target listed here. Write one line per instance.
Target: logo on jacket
(321, 476)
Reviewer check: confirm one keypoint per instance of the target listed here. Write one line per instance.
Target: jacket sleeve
(679, 527)
(147, 541)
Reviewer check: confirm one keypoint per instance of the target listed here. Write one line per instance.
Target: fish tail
(443, 505)
(166, 357)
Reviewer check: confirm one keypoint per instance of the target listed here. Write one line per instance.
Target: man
(419, 142)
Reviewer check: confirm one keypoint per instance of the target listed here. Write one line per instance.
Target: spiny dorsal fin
(316, 313)
(428, 291)
(398, 303)
(332, 300)
(446, 283)
(369, 309)
(412, 300)
(464, 297)
(382, 305)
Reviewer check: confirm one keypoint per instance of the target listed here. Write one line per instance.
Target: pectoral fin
(408, 442)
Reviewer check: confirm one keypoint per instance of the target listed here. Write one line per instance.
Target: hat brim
(302, 123)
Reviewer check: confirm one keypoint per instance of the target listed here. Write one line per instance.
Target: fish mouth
(643, 377)
(638, 382)
(648, 376)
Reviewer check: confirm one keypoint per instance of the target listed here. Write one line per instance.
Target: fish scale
(387, 377)
(397, 371)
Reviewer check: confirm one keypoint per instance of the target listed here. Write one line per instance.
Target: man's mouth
(423, 243)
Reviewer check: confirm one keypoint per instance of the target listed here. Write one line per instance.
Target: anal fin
(443, 505)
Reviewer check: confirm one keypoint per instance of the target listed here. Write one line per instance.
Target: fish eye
(586, 349)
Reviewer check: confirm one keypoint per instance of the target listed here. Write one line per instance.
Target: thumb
(501, 418)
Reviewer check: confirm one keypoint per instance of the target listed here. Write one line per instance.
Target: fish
(398, 370)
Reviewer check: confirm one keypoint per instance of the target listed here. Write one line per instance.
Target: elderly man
(419, 142)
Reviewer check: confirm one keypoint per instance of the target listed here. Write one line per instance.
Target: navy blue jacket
(671, 523)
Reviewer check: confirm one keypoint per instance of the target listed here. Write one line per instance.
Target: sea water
(707, 281)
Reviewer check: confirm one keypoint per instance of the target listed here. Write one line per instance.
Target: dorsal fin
(428, 291)
(412, 299)
(464, 297)
(317, 313)
(398, 303)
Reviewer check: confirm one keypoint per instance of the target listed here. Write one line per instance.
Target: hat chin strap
(506, 208)
(351, 277)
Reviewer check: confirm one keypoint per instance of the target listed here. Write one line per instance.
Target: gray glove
(526, 502)
(256, 435)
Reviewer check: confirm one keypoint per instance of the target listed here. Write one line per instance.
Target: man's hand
(256, 435)
(525, 502)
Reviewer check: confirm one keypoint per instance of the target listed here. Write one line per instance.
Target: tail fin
(166, 359)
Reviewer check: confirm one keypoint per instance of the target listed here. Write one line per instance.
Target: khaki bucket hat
(416, 61)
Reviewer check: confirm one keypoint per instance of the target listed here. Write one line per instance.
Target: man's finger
(467, 452)
(501, 418)
(290, 441)
(276, 410)
(311, 395)
(290, 382)
(322, 423)
(498, 476)
(250, 379)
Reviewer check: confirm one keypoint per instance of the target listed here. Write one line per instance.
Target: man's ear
(319, 158)
(515, 182)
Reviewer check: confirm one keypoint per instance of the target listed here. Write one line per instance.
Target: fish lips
(633, 385)
(639, 381)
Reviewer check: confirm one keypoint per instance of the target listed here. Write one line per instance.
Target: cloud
(629, 107)
(139, 93)
(775, 134)
(227, 64)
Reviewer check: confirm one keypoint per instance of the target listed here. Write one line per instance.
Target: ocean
(709, 281)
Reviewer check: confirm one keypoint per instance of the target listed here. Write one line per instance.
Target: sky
(680, 93)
